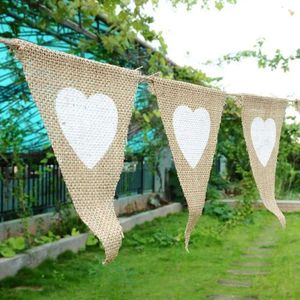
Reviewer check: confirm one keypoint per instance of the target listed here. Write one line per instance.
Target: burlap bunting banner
(86, 107)
(262, 120)
(191, 115)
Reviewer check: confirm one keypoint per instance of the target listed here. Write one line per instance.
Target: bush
(67, 221)
(218, 209)
(12, 246)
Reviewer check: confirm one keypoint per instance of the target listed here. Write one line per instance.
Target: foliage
(218, 4)
(14, 245)
(218, 209)
(159, 238)
(277, 60)
(231, 145)
(75, 232)
(114, 26)
(68, 223)
(44, 239)
(288, 163)
(92, 240)
(11, 246)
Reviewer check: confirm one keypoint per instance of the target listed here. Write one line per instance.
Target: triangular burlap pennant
(191, 115)
(262, 119)
(86, 107)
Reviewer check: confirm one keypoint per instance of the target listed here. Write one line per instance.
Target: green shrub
(92, 240)
(218, 209)
(44, 239)
(12, 246)
(158, 239)
(67, 221)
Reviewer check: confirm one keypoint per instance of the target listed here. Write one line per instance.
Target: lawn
(154, 265)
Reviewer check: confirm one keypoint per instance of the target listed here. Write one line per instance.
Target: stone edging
(129, 222)
(123, 205)
(284, 205)
(33, 257)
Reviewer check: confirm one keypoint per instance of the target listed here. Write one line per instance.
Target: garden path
(253, 263)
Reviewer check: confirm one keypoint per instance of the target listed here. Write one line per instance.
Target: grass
(283, 281)
(154, 265)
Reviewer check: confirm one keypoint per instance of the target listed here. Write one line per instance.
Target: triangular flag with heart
(86, 107)
(262, 119)
(191, 115)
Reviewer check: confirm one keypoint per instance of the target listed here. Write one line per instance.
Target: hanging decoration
(191, 115)
(86, 107)
(262, 119)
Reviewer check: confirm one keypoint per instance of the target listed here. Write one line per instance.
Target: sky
(197, 36)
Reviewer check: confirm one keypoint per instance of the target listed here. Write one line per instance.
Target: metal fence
(44, 189)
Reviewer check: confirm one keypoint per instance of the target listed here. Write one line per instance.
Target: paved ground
(252, 263)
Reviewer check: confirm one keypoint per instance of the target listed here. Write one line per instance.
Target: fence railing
(44, 189)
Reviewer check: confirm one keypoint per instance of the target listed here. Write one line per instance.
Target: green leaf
(156, 112)
(146, 118)
(50, 154)
(51, 235)
(219, 5)
(42, 240)
(44, 161)
(7, 252)
(17, 243)
(75, 232)
(91, 240)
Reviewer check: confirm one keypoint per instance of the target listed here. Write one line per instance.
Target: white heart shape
(89, 124)
(263, 135)
(191, 130)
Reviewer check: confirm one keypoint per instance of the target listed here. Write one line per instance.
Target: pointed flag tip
(282, 222)
(186, 244)
(187, 248)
